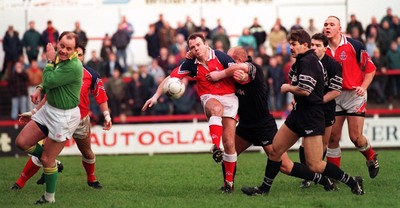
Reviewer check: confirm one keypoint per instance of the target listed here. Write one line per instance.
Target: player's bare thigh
(213, 108)
(29, 136)
(283, 140)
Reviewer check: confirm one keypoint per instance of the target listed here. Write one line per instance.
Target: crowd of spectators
(128, 87)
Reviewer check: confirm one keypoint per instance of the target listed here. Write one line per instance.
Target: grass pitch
(193, 180)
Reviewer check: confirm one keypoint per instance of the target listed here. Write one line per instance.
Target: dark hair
(300, 36)
(320, 37)
(196, 35)
(70, 35)
(81, 46)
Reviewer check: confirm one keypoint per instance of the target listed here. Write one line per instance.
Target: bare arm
(153, 100)
(294, 89)
(228, 72)
(107, 117)
(360, 90)
(331, 95)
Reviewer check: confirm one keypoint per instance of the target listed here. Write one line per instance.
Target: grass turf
(193, 180)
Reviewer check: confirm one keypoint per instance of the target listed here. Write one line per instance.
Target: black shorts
(307, 120)
(329, 113)
(258, 134)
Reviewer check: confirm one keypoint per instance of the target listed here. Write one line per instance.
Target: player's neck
(334, 42)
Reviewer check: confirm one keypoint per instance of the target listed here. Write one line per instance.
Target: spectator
(171, 64)
(82, 38)
(186, 103)
(111, 65)
(370, 44)
(280, 26)
(204, 29)
(18, 90)
(166, 35)
(32, 42)
(139, 89)
(247, 41)
(115, 88)
(215, 30)
(49, 35)
(127, 26)
(179, 44)
(96, 64)
(374, 24)
(258, 32)
(155, 71)
(160, 23)
(378, 84)
(153, 42)
(162, 60)
(42, 62)
(396, 25)
(275, 80)
(311, 29)
(189, 25)
(120, 40)
(106, 48)
(223, 38)
(354, 23)
(180, 29)
(355, 34)
(12, 47)
(385, 36)
(35, 75)
(276, 36)
(297, 25)
(388, 17)
(262, 53)
(393, 60)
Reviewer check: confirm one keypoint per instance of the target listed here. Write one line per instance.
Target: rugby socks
(29, 170)
(302, 156)
(215, 125)
(89, 165)
(271, 170)
(229, 166)
(367, 151)
(333, 155)
(51, 175)
(302, 171)
(332, 171)
(35, 150)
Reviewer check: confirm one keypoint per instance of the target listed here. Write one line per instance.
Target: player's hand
(149, 103)
(107, 120)
(285, 88)
(215, 75)
(360, 91)
(189, 55)
(240, 76)
(50, 52)
(36, 96)
(25, 117)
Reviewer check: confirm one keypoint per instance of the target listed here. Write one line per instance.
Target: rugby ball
(174, 88)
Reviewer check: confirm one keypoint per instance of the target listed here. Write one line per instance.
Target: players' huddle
(233, 93)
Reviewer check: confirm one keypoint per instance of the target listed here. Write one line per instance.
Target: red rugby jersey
(218, 61)
(355, 62)
(92, 84)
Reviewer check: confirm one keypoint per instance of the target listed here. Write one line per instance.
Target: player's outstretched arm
(106, 114)
(25, 117)
(228, 72)
(153, 100)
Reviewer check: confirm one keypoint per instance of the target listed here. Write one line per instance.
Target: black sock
(332, 171)
(302, 171)
(302, 156)
(271, 170)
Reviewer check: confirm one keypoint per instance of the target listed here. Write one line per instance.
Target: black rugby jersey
(253, 96)
(308, 73)
(334, 79)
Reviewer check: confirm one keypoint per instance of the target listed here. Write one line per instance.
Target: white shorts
(60, 123)
(229, 101)
(349, 102)
(83, 130)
